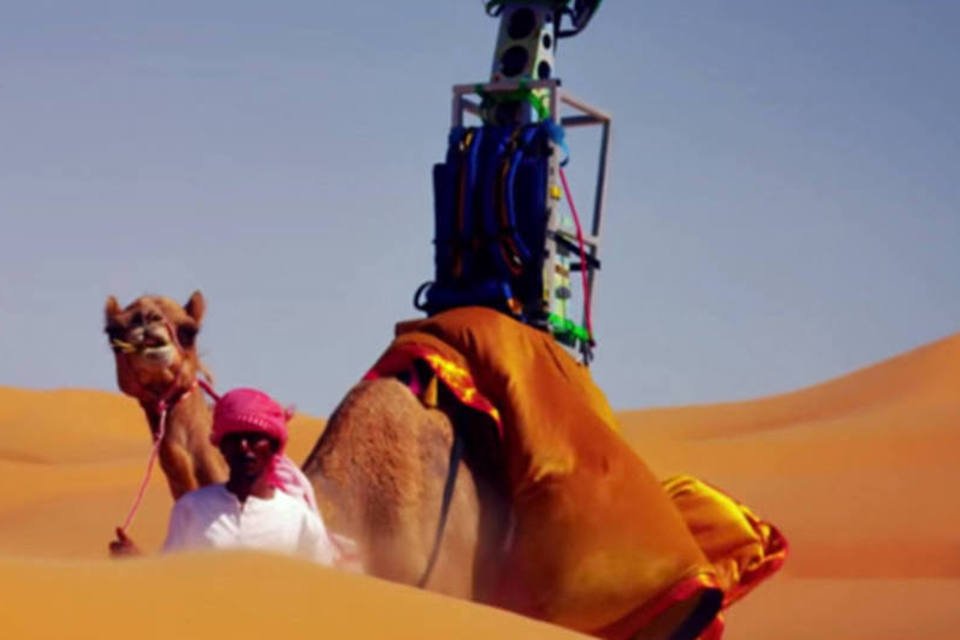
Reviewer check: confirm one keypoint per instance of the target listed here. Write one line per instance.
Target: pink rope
(158, 437)
(209, 389)
(155, 451)
(587, 312)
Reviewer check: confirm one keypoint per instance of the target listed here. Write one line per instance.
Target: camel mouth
(151, 341)
(158, 352)
(155, 347)
(161, 354)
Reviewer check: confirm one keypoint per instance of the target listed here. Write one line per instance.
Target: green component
(520, 94)
(567, 331)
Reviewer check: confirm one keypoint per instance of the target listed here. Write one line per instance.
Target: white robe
(213, 518)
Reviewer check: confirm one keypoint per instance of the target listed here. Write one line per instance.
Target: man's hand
(123, 546)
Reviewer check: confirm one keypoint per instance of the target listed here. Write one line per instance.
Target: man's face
(248, 453)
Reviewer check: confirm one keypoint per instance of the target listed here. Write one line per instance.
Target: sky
(783, 198)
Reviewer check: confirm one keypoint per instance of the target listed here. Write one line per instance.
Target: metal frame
(585, 115)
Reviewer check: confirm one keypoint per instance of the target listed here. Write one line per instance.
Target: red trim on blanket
(630, 624)
(399, 359)
(775, 549)
(775, 554)
(715, 630)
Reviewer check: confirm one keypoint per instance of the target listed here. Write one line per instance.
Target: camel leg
(178, 467)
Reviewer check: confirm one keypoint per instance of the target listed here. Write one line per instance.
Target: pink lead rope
(157, 438)
(163, 406)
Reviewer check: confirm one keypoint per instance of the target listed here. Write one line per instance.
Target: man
(266, 504)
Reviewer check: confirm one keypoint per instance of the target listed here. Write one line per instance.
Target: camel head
(154, 343)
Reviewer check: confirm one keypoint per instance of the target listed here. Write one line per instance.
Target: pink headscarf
(245, 410)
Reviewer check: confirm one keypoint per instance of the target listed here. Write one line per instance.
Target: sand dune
(238, 594)
(858, 472)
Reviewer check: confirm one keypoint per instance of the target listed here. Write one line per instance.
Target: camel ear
(111, 309)
(196, 306)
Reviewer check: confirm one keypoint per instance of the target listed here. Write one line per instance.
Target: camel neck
(189, 408)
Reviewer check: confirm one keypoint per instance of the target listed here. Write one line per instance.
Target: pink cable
(583, 255)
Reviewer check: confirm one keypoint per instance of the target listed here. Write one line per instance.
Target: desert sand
(859, 473)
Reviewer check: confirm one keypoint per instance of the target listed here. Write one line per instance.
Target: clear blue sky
(783, 201)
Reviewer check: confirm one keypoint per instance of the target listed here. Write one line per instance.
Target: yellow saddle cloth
(598, 544)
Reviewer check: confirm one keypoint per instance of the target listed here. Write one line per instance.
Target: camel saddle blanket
(597, 543)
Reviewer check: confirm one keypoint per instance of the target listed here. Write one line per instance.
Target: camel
(379, 471)
(404, 468)
(411, 431)
(154, 345)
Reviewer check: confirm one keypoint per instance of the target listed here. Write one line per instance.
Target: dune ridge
(923, 376)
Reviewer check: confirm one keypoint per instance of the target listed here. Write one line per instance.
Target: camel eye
(187, 335)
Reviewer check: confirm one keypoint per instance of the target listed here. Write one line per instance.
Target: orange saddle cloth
(598, 544)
